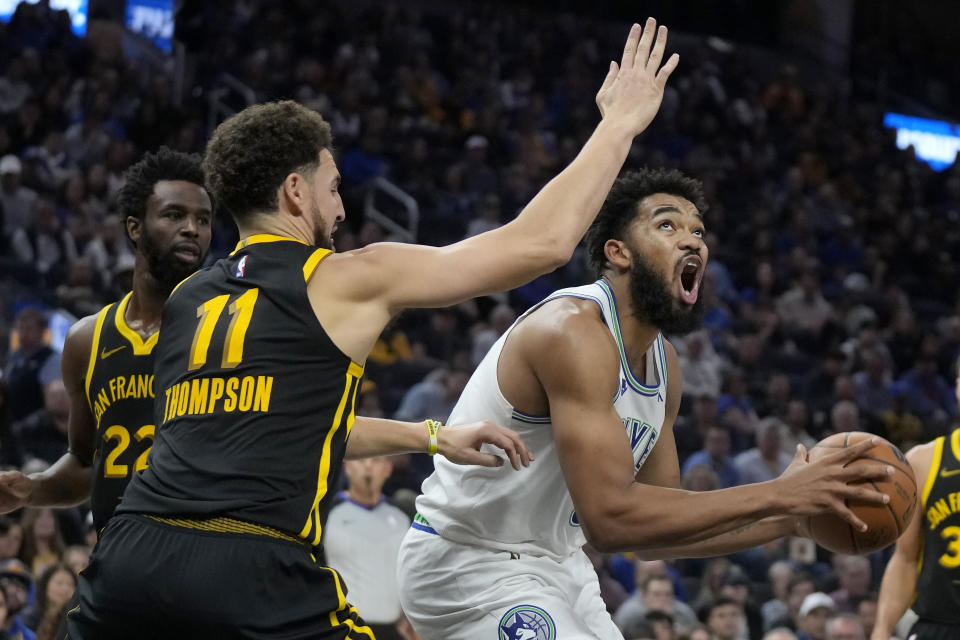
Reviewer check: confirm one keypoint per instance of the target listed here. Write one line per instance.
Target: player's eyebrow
(669, 208)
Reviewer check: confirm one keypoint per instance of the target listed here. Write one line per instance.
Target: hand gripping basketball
(827, 484)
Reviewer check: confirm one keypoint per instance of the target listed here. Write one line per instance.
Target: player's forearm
(896, 594)
(372, 437)
(745, 537)
(561, 212)
(650, 517)
(65, 484)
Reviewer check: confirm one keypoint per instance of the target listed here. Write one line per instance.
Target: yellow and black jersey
(938, 585)
(119, 383)
(254, 401)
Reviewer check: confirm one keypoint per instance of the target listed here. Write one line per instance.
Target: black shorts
(927, 630)
(149, 579)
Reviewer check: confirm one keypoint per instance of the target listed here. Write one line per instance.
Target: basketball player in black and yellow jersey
(260, 358)
(107, 363)
(108, 358)
(924, 571)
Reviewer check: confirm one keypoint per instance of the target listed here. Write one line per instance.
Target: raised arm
(575, 360)
(67, 481)
(899, 585)
(545, 234)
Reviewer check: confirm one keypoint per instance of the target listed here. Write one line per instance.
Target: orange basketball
(885, 522)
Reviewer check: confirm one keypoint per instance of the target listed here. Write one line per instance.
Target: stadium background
(831, 292)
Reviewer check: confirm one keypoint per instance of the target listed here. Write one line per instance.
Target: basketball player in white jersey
(591, 385)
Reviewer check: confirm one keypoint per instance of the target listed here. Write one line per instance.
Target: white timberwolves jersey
(530, 511)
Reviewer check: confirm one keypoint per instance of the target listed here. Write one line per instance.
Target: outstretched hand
(461, 444)
(632, 92)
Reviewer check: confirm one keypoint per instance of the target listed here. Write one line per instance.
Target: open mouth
(691, 269)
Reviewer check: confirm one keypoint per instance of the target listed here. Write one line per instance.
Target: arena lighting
(76, 8)
(152, 19)
(936, 141)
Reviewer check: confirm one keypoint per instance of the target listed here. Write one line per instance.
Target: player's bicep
(74, 365)
(407, 275)
(578, 367)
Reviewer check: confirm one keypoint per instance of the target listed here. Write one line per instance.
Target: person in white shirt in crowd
(767, 460)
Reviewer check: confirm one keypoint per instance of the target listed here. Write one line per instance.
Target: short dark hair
(252, 153)
(703, 614)
(620, 207)
(141, 177)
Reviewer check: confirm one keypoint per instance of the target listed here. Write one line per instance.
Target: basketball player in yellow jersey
(107, 364)
(924, 571)
(259, 362)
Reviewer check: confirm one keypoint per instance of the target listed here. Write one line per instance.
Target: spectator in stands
(767, 460)
(844, 416)
(655, 593)
(803, 309)
(845, 626)
(700, 364)
(780, 633)
(724, 619)
(664, 626)
(902, 427)
(812, 618)
(31, 366)
(42, 541)
(55, 587)
(736, 586)
(853, 575)
(778, 576)
(43, 434)
(928, 394)
(501, 317)
(873, 384)
(691, 429)
(16, 582)
(77, 557)
(716, 455)
(800, 586)
(16, 200)
(433, 397)
(11, 538)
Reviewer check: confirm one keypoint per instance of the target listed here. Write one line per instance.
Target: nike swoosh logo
(946, 474)
(104, 354)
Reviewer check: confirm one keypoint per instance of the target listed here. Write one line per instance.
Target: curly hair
(620, 207)
(141, 177)
(252, 153)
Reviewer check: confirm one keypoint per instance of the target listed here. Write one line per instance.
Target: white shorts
(452, 591)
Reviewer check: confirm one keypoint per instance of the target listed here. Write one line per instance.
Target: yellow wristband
(433, 427)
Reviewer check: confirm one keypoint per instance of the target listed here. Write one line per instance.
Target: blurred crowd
(830, 295)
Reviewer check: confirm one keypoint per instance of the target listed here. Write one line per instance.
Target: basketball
(885, 522)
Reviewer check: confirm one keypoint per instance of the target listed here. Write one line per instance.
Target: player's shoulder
(920, 457)
(563, 315)
(81, 333)
(566, 331)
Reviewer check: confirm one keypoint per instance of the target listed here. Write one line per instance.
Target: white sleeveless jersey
(531, 511)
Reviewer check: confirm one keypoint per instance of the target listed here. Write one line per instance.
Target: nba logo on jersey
(241, 267)
(527, 622)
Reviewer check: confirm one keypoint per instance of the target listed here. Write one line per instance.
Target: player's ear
(617, 253)
(294, 193)
(134, 229)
